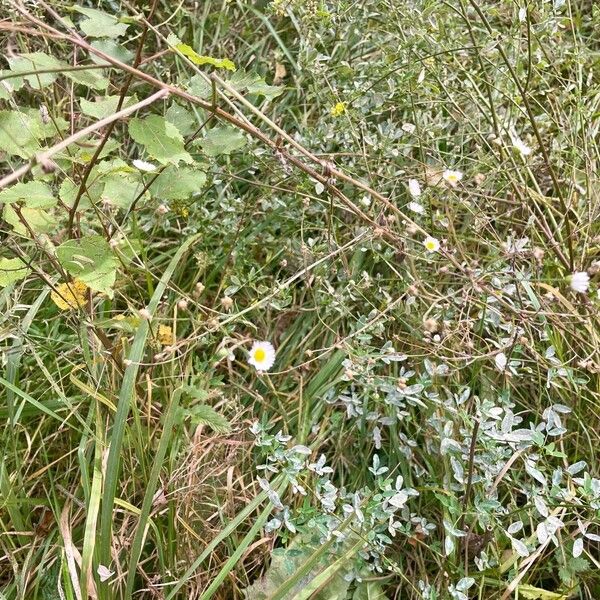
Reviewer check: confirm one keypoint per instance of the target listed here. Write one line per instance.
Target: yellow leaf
(69, 296)
(197, 59)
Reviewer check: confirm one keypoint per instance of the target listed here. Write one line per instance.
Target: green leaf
(178, 183)
(183, 119)
(91, 78)
(20, 134)
(38, 220)
(222, 140)
(12, 270)
(103, 107)
(253, 83)
(197, 59)
(99, 24)
(34, 194)
(91, 260)
(34, 61)
(113, 49)
(161, 139)
(202, 414)
(121, 189)
(369, 590)
(200, 87)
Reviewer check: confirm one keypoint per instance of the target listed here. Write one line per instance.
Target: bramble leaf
(90, 260)
(161, 139)
(222, 140)
(12, 270)
(100, 24)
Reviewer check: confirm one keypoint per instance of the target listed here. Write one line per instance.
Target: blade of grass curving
(327, 574)
(282, 593)
(227, 531)
(125, 395)
(142, 528)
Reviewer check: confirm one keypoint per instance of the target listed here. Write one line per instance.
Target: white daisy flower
(262, 356)
(142, 165)
(452, 177)
(432, 244)
(414, 188)
(580, 282)
(416, 208)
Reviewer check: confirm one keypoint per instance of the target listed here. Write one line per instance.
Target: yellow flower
(165, 335)
(338, 109)
(69, 296)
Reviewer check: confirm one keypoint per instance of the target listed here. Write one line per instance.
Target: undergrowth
(397, 202)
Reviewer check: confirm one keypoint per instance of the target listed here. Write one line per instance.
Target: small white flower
(414, 188)
(104, 573)
(416, 208)
(365, 201)
(145, 314)
(408, 127)
(432, 244)
(522, 147)
(262, 356)
(501, 361)
(580, 282)
(142, 165)
(452, 177)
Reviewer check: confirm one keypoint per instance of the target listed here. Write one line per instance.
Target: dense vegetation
(397, 202)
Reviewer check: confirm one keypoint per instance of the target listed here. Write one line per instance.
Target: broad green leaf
(222, 140)
(38, 220)
(369, 590)
(200, 87)
(94, 188)
(534, 593)
(91, 260)
(113, 49)
(99, 24)
(34, 194)
(253, 83)
(183, 119)
(197, 59)
(103, 107)
(178, 183)
(12, 270)
(20, 134)
(6, 86)
(121, 189)
(91, 78)
(34, 61)
(161, 139)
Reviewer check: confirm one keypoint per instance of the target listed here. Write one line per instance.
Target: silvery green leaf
(593, 536)
(457, 468)
(519, 547)
(448, 545)
(465, 583)
(536, 474)
(300, 449)
(578, 547)
(542, 533)
(399, 500)
(514, 527)
(575, 468)
(541, 506)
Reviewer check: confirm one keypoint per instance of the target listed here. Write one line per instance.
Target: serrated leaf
(90, 260)
(200, 87)
(160, 138)
(20, 134)
(178, 183)
(34, 194)
(222, 140)
(38, 220)
(113, 49)
(183, 119)
(103, 107)
(198, 59)
(91, 78)
(253, 83)
(12, 270)
(121, 190)
(369, 590)
(33, 61)
(99, 24)
(202, 414)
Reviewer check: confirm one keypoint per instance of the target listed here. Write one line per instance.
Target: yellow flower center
(259, 355)
(452, 178)
(430, 245)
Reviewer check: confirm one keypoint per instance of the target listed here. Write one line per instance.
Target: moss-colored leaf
(198, 59)
(103, 107)
(34, 194)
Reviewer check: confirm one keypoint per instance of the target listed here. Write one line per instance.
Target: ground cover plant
(299, 299)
